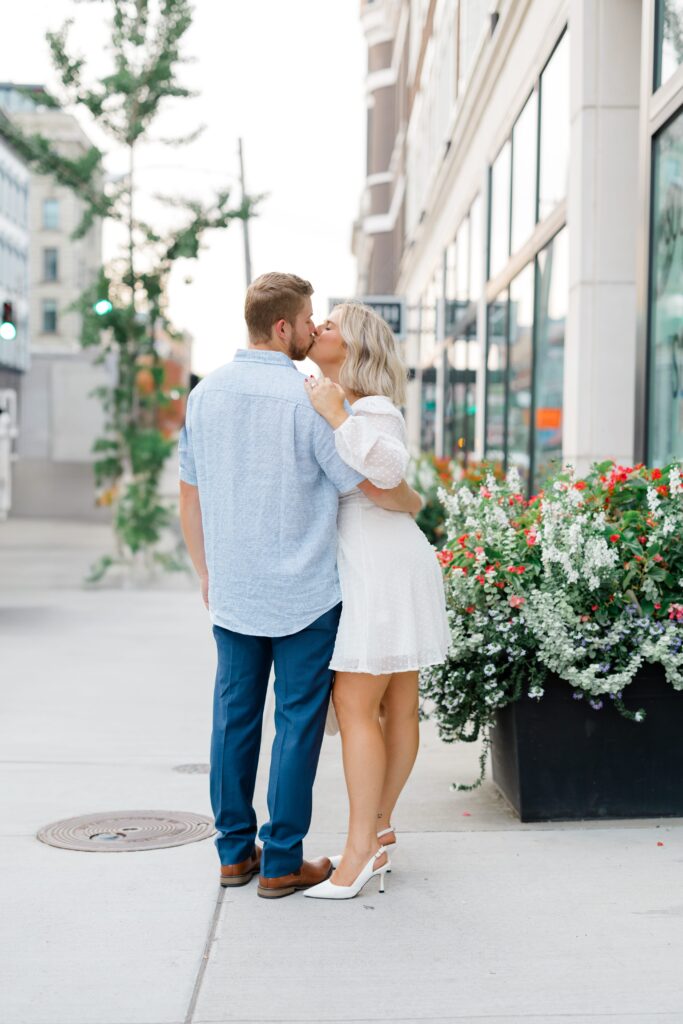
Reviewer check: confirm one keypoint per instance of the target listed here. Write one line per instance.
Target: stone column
(600, 354)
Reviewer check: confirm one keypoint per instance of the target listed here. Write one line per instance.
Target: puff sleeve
(373, 441)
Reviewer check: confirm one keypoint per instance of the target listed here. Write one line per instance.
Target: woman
(393, 619)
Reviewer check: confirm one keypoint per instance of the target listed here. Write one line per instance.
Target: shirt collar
(257, 355)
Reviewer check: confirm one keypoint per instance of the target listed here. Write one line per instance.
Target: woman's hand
(328, 399)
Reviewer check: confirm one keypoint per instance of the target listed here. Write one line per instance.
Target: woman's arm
(193, 532)
(399, 499)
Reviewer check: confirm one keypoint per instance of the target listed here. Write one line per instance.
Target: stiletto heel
(336, 858)
(327, 890)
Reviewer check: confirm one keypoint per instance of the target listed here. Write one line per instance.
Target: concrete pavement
(105, 691)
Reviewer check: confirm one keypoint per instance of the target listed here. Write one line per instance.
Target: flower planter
(558, 759)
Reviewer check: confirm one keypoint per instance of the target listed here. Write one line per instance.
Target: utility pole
(245, 223)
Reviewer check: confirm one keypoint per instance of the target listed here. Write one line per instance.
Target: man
(259, 485)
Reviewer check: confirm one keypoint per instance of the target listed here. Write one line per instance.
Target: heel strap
(385, 832)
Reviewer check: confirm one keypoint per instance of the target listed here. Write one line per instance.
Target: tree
(126, 306)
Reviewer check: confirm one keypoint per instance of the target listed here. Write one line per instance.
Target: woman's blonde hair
(373, 364)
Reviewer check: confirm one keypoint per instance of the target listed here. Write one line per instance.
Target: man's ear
(281, 329)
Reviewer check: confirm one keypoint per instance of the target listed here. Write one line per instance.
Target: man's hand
(399, 499)
(328, 399)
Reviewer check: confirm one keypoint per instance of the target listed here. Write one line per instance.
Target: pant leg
(244, 664)
(302, 690)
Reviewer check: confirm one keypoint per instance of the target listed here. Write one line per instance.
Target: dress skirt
(393, 604)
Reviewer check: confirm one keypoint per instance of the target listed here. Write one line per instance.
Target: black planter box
(557, 759)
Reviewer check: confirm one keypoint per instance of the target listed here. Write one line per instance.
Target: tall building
(58, 418)
(14, 277)
(525, 194)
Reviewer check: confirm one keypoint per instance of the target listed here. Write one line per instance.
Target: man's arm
(399, 499)
(193, 532)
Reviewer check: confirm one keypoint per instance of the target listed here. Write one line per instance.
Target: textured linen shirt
(269, 477)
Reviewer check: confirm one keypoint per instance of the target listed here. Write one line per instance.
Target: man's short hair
(273, 297)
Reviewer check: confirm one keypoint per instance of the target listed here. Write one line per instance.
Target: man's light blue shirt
(269, 477)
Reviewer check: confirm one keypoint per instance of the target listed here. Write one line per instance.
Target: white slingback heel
(327, 890)
(336, 858)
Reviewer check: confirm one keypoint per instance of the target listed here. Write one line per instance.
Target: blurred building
(58, 419)
(14, 276)
(525, 194)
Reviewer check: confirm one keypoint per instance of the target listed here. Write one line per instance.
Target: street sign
(391, 308)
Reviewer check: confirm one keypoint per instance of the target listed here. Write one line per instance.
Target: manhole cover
(192, 769)
(127, 831)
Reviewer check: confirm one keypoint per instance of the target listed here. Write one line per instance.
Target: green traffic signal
(102, 307)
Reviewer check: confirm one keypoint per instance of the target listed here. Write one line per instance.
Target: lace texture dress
(393, 612)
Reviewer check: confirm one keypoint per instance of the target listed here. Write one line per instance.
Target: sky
(286, 77)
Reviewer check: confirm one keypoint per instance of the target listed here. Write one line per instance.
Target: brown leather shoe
(240, 874)
(310, 873)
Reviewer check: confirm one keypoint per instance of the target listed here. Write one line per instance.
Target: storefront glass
(520, 370)
(499, 233)
(669, 42)
(524, 157)
(554, 143)
(496, 374)
(665, 405)
(552, 292)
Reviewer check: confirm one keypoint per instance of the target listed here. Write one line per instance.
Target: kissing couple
(300, 526)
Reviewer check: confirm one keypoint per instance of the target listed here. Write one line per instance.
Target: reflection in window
(49, 316)
(669, 43)
(554, 150)
(460, 400)
(476, 249)
(499, 232)
(524, 152)
(665, 413)
(520, 368)
(428, 410)
(552, 284)
(51, 214)
(496, 369)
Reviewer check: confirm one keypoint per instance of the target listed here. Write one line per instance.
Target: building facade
(525, 194)
(58, 417)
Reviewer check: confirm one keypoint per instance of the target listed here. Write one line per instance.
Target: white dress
(393, 605)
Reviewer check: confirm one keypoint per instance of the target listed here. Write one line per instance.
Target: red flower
(656, 474)
(657, 558)
(658, 606)
(614, 537)
(594, 607)
(643, 540)
(663, 490)
(481, 579)
(516, 601)
(470, 608)
(580, 485)
(445, 557)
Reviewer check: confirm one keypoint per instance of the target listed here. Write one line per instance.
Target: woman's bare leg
(400, 726)
(357, 699)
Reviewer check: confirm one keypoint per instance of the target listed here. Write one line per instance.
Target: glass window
(520, 361)
(554, 149)
(428, 410)
(552, 289)
(462, 266)
(524, 152)
(499, 231)
(50, 265)
(496, 372)
(476, 249)
(669, 42)
(665, 406)
(49, 316)
(51, 214)
(460, 399)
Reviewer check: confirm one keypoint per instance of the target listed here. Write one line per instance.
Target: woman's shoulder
(376, 404)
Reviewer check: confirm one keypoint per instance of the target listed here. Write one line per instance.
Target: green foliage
(145, 47)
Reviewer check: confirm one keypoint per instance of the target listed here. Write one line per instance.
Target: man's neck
(268, 346)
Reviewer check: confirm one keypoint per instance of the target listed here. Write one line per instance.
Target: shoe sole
(235, 880)
(288, 890)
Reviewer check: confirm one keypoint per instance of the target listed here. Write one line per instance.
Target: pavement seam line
(205, 956)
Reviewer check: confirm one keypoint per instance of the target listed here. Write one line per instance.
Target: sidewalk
(104, 692)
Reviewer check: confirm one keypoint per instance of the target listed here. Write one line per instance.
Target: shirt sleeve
(373, 443)
(187, 470)
(335, 469)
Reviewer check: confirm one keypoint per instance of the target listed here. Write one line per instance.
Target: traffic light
(8, 328)
(102, 307)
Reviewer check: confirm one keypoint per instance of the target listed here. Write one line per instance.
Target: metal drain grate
(127, 831)
(192, 769)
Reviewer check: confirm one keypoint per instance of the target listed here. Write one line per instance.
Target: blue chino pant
(302, 689)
